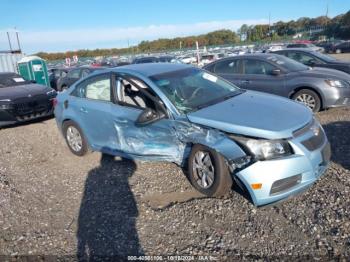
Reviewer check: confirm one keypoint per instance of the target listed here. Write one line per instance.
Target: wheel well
(67, 119)
(307, 88)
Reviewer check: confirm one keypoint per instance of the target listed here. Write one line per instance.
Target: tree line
(337, 27)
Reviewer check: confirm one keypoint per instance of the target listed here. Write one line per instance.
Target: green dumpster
(34, 68)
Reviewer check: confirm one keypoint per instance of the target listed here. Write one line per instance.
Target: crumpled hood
(254, 114)
(22, 91)
(325, 73)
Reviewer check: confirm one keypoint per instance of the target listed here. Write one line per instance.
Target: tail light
(54, 102)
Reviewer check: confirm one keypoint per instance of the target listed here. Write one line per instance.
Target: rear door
(258, 76)
(92, 102)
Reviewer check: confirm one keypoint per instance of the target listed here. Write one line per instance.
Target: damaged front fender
(190, 133)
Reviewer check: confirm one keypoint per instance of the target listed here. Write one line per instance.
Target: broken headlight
(263, 149)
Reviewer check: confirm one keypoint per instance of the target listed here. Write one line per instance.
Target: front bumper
(336, 97)
(284, 177)
(22, 112)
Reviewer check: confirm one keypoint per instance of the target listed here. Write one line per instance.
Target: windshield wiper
(220, 99)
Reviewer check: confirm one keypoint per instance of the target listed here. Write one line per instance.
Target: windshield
(191, 89)
(287, 63)
(7, 80)
(324, 57)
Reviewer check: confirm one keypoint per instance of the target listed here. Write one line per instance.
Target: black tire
(222, 182)
(84, 146)
(314, 95)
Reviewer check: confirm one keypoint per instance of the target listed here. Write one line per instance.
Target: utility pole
(270, 26)
(8, 38)
(19, 45)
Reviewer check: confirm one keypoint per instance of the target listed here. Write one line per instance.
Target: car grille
(284, 184)
(35, 107)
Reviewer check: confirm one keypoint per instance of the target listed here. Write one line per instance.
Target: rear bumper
(282, 178)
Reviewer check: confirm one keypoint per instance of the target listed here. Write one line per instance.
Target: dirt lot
(54, 203)
(344, 56)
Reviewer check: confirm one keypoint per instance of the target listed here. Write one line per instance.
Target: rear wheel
(338, 51)
(75, 138)
(208, 172)
(308, 98)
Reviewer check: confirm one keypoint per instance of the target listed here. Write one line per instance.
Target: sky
(62, 25)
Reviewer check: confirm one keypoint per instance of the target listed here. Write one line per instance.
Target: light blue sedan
(271, 146)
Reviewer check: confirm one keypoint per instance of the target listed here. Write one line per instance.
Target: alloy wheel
(74, 139)
(307, 100)
(203, 169)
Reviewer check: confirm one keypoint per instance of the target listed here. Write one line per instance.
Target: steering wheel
(195, 92)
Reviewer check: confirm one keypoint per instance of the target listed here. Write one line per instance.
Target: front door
(229, 69)
(157, 141)
(257, 75)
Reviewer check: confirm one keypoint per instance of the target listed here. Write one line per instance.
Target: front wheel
(308, 98)
(208, 172)
(338, 51)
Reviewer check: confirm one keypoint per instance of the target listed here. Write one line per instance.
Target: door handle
(245, 81)
(83, 110)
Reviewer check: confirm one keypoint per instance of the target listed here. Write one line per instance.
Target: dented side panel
(157, 141)
(165, 140)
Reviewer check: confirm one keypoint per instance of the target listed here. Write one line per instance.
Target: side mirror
(276, 72)
(311, 62)
(148, 116)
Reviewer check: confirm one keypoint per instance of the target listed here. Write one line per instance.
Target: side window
(226, 67)
(75, 73)
(257, 67)
(85, 73)
(96, 88)
(135, 93)
(303, 58)
(63, 73)
(57, 73)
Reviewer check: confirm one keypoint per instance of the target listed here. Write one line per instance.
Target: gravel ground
(54, 203)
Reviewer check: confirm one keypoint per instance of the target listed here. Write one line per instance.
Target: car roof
(255, 55)
(308, 50)
(150, 69)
